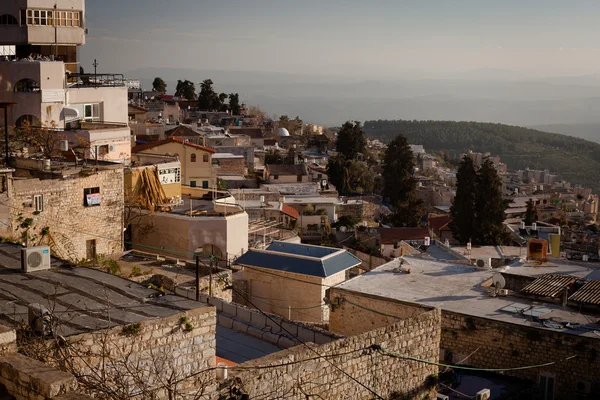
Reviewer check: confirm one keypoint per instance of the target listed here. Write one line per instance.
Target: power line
(390, 353)
(310, 348)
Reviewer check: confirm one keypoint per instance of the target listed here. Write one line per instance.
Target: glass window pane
(87, 112)
(96, 110)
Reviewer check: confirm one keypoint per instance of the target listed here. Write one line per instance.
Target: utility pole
(197, 277)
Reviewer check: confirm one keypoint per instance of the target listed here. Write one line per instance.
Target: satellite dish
(499, 281)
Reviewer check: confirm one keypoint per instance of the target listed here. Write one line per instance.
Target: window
(275, 176)
(193, 183)
(547, 386)
(7, 19)
(205, 158)
(91, 197)
(299, 178)
(26, 86)
(204, 184)
(91, 112)
(51, 18)
(319, 176)
(193, 157)
(38, 203)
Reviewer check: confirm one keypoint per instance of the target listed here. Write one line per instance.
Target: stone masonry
(299, 373)
(65, 223)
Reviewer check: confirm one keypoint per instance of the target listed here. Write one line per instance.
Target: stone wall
(8, 340)
(70, 224)
(487, 343)
(369, 262)
(254, 323)
(350, 315)
(231, 166)
(177, 346)
(300, 373)
(493, 344)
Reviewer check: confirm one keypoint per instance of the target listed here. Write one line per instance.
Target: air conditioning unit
(40, 319)
(483, 263)
(483, 394)
(35, 259)
(583, 387)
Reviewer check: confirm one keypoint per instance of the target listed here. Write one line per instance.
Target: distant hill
(572, 159)
(589, 131)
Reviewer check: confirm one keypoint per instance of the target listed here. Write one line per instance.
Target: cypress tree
(463, 206)
(531, 214)
(489, 206)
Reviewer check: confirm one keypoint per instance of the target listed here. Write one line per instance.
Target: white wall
(113, 101)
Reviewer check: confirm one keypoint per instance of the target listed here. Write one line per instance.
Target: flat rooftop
(83, 299)
(461, 289)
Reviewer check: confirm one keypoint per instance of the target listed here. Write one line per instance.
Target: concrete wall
(388, 377)
(299, 298)
(179, 236)
(113, 101)
(231, 166)
(70, 223)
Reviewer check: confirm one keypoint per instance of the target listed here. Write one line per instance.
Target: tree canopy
(518, 147)
(350, 176)
(234, 104)
(478, 207)
(159, 85)
(531, 214)
(351, 140)
(185, 89)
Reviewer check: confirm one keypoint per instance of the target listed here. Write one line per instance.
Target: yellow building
(196, 160)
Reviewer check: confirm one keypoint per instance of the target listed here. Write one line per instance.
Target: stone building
(76, 210)
(288, 276)
(532, 336)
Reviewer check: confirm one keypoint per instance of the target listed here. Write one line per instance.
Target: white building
(44, 82)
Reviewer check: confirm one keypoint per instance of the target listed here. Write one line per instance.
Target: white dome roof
(282, 132)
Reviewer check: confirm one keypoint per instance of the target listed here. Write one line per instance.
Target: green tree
(531, 214)
(273, 157)
(158, 85)
(336, 172)
(407, 213)
(489, 206)
(398, 170)
(293, 126)
(207, 99)
(351, 140)
(359, 177)
(463, 206)
(185, 89)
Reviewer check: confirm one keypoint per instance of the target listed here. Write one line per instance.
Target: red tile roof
(440, 222)
(395, 235)
(171, 139)
(292, 212)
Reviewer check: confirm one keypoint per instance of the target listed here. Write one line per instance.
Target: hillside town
(159, 243)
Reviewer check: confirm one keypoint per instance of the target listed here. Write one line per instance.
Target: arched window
(7, 19)
(27, 119)
(193, 157)
(205, 158)
(27, 86)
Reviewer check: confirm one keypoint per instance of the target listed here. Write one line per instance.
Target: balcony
(95, 80)
(93, 125)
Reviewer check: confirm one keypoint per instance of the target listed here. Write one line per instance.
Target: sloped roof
(286, 169)
(395, 235)
(298, 258)
(291, 211)
(132, 108)
(182, 130)
(170, 139)
(439, 222)
(253, 132)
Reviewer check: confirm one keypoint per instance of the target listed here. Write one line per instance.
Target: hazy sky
(376, 38)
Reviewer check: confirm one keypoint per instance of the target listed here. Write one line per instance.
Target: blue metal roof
(300, 259)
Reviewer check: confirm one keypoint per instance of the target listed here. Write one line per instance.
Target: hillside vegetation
(572, 159)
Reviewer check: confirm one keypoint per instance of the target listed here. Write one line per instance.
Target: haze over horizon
(465, 59)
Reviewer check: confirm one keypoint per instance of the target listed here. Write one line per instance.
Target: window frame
(205, 157)
(544, 380)
(38, 203)
(91, 190)
(193, 157)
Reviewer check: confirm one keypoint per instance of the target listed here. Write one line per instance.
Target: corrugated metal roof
(588, 293)
(549, 285)
(300, 259)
